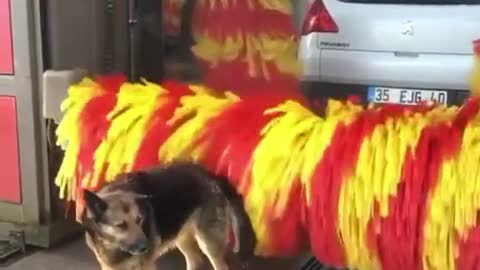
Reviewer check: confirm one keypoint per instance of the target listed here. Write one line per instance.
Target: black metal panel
(146, 40)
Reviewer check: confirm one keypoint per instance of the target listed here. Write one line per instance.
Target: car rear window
(417, 2)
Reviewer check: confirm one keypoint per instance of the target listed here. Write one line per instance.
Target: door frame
(25, 85)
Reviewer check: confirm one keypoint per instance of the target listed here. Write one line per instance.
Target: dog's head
(118, 219)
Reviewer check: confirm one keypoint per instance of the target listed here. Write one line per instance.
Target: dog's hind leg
(211, 231)
(215, 255)
(190, 250)
(214, 246)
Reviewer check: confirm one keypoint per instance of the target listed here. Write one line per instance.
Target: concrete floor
(76, 256)
(71, 256)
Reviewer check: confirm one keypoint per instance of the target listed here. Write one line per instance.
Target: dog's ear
(95, 204)
(131, 181)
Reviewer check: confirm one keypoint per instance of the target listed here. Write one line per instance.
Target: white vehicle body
(403, 46)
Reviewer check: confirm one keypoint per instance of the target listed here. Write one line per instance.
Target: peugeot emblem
(407, 28)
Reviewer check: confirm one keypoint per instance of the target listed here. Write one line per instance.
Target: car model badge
(407, 28)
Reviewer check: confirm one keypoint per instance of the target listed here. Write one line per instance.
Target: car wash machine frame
(40, 56)
(399, 194)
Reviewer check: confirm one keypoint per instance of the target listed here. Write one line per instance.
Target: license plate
(405, 96)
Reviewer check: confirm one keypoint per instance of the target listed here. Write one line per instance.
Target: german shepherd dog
(142, 215)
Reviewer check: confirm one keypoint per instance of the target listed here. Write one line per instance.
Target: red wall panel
(6, 50)
(10, 185)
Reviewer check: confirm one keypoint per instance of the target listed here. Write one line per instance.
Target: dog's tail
(245, 239)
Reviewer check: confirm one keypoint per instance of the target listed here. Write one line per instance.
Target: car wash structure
(29, 210)
(44, 47)
(366, 201)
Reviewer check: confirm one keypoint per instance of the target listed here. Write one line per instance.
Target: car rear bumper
(433, 71)
(314, 90)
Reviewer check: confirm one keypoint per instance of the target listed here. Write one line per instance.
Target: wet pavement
(74, 255)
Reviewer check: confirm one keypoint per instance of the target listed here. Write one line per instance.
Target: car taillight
(318, 19)
(476, 47)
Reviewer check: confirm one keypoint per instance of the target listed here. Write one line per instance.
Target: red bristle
(338, 162)
(322, 215)
(225, 76)
(219, 25)
(230, 146)
(111, 83)
(159, 131)
(236, 74)
(171, 13)
(466, 113)
(176, 89)
(241, 148)
(401, 240)
(289, 232)
(147, 156)
(397, 257)
(156, 135)
(95, 125)
(372, 227)
(469, 253)
(355, 99)
(476, 47)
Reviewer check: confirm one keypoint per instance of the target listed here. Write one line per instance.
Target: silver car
(389, 51)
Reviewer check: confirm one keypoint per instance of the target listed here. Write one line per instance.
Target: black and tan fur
(141, 215)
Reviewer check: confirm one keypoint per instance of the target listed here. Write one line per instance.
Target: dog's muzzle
(138, 248)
